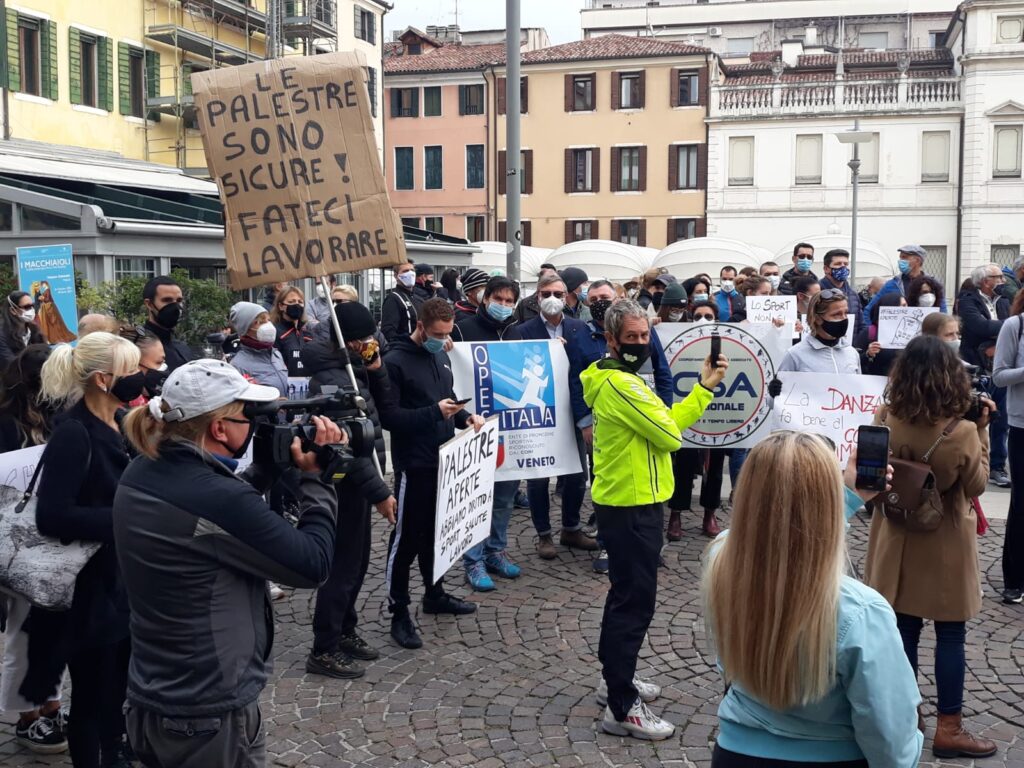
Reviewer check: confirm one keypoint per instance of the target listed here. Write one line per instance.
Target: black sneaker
(448, 604)
(334, 664)
(404, 631)
(353, 645)
(1013, 596)
(42, 736)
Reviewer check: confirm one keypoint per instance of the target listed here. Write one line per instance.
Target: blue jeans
(736, 458)
(504, 495)
(950, 664)
(998, 430)
(574, 489)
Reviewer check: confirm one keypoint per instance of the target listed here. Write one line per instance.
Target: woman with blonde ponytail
(82, 465)
(813, 661)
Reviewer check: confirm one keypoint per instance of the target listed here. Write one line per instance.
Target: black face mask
(598, 310)
(155, 382)
(294, 311)
(129, 388)
(633, 356)
(656, 300)
(836, 328)
(240, 450)
(168, 316)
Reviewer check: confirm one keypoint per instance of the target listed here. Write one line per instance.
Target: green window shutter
(48, 40)
(124, 79)
(153, 82)
(105, 65)
(186, 79)
(75, 65)
(13, 51)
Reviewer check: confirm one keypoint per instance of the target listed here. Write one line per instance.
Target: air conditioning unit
(714, 31)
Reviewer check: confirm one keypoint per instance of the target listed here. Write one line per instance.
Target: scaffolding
(186, 36)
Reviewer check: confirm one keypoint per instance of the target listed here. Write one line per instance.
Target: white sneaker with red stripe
(648, 691)
(640, 723)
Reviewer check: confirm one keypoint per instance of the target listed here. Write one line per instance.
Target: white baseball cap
(203, 386)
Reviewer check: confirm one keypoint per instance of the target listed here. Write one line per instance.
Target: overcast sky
(561, 18)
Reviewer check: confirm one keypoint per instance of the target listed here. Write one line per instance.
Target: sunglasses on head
(134, 333)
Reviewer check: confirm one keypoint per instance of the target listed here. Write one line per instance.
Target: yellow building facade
(613, 139)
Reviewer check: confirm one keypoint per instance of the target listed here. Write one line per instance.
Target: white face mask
(775, 281)
(28, 315)
(926, 300)
(408, 279)
(551, 306)
(728, 285)
(479, 296)
(320, 292)
(266, 333)
(675, 317)
(702, 319)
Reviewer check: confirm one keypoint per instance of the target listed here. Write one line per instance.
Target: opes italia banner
(740, 414)
(526, 385)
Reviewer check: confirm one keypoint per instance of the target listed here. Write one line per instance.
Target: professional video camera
(272, 440)
(980, 388)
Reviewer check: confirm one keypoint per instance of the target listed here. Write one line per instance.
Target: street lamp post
(856, 137)
(512, 168)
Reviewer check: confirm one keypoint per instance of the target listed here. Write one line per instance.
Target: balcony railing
(836, 96)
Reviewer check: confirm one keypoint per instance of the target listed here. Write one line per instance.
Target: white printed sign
(765, 309)
(526, 385)
(827, 405)
(465, 494)
(898, 325)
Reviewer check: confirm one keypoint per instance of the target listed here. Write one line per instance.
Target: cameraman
(337, 647)
(196, 545)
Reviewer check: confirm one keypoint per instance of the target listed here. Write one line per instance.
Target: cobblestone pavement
(514, 684)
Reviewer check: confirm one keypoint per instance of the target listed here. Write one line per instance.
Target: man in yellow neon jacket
(634, 437)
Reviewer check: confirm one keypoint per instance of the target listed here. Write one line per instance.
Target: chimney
(811, 37)
(791, 50)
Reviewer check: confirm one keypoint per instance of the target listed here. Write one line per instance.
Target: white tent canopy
(604, 259)
(493, 255)
(872, 261)
(687, 258)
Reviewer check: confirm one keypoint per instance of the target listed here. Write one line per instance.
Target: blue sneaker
(601, 562)
(521, 501)
(476, 575)
(500, 564)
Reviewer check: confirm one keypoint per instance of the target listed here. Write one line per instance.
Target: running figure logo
(515, 382)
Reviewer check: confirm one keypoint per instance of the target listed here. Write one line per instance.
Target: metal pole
(855, 173)
(513, 212)
(326, 284)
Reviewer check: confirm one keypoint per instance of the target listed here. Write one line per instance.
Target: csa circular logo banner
(741, 412)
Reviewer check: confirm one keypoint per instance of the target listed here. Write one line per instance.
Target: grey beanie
(243, 315)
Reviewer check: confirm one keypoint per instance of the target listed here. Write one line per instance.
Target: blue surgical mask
(433, 346)
(803, 265)
(841, 274)
(904, 266)
(699, 298)
(499, 312)
(583, 295)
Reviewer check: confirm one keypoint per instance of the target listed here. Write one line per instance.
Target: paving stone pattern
(514, 684)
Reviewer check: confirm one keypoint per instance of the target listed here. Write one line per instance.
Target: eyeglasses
(704, 317)
(552, 294)
(25, 306)
(237, 421)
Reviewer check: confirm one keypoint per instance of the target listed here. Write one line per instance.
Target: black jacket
(527, 309)
(197, 545)
(421, 294)
(398, 314)
(326, 367)
(83, 462)
(978, 329)
(788, 285)
(12, 344)
(177, 352)
(464, 309)
(291, 340)
(419, 381)
(483, 327)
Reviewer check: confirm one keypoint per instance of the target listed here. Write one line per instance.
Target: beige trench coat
(933, 575)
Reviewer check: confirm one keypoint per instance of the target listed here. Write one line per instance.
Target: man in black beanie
(576, 283)
(337, 647)
(473, 282)
(425, 287)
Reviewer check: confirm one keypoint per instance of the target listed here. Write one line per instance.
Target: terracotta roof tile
(791, 76)
(451, 57)
(854, 58)
(610, 47)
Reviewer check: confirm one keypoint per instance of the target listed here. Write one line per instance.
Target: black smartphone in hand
(872, 457)
(463, 402)
(716, 348)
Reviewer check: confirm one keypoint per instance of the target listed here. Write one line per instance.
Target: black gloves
(774, 387)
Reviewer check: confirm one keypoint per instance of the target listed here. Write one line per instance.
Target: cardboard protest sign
(47, 274)
(526, 385)
(829, 405)
(739, 416)
(17, 467)
(465, 494)
(764, 309)
(898, 325)
(290, 143)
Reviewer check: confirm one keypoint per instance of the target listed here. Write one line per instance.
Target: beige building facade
(613, 139)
